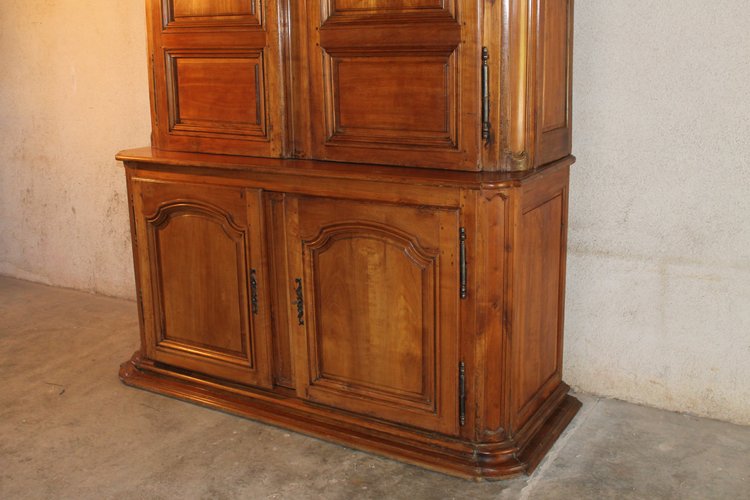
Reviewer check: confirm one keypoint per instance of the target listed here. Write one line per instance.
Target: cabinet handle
(300, 302)
(253, 291)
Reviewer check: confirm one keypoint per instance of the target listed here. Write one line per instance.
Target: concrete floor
(70, 429)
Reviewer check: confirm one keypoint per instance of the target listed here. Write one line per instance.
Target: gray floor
(70, 429)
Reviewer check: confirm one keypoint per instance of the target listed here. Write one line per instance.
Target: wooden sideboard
(352, 222)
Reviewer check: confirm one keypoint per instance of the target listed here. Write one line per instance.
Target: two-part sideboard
(352, 220)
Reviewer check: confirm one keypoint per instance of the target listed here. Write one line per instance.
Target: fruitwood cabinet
(293, 266)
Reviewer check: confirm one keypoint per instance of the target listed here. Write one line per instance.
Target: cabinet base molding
(478, 461)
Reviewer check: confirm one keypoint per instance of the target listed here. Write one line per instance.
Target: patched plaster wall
(658, 296)
(73, 91)
(658, 302)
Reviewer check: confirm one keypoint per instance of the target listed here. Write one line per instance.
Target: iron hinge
(486, 136)
(462, 393)
(462, 262)
(154, 90)
(253, 291)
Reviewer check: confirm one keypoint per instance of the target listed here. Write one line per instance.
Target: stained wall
(73, 91)
(658, 303)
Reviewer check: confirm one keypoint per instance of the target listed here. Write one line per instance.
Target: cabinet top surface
(153, 158)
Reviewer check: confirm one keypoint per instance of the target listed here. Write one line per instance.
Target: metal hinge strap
(462, 393)
(253, 291)
(462, 259)
(485, 95)
(154, 89)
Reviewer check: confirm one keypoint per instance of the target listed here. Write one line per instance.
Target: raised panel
(381, 304)
(197, 250)
(555, 74)
(374, 299)
(368, 9)
(554, 53)
(216, 93)
(398, 99)
(187, 13)
(202, 8)
(217, 77)
(538, 332)
(392, 82)
(380, 5)
(202, 307)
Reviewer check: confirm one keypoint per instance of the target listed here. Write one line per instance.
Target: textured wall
(73, 91)
(658, 305)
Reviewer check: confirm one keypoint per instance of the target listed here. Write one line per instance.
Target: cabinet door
(395, 82)
(376, 287)
(200, 276)
(216, 75)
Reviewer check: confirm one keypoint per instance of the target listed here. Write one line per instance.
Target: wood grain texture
(412, 93)
(539, 287)
(539, 36)
(276, 242)
(458, 458)
(380, 300)
(306, 275)
(217, 80)
(189, 14)
(215, 8)
(554, 81)
(196, 256)
(216, 93)
(392, 82)
(383, 325)
(391, 92)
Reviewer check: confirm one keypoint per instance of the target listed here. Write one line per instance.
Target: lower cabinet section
(416, 315)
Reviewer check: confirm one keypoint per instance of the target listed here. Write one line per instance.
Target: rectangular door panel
(191, 9)
(380, 319)
(199, 255)
(394, 82)
(379, 6)
(216, 93)
(395, 99)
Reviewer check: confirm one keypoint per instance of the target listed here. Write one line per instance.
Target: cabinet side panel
(554, 59)
(536, 344)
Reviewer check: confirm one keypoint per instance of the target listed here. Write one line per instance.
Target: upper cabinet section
(450, 84)
(217, 78)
